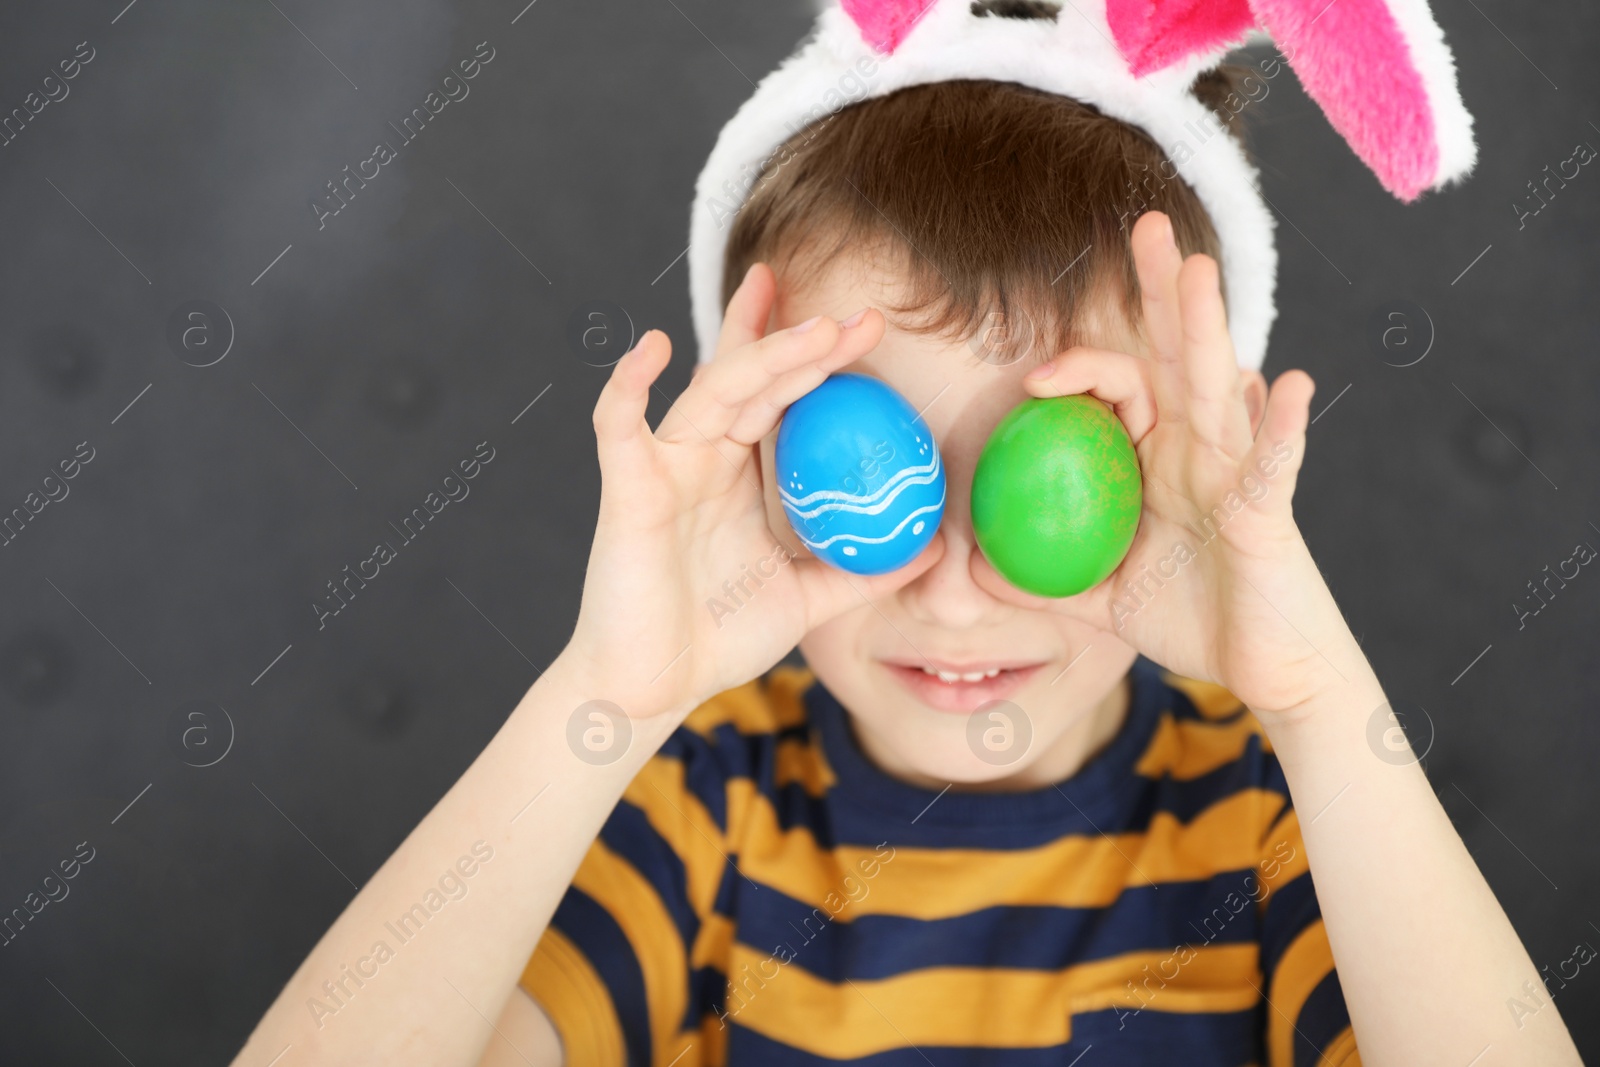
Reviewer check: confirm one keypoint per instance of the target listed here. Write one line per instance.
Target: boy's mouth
(961, 689)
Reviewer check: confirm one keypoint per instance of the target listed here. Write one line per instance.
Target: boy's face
(1062, 679)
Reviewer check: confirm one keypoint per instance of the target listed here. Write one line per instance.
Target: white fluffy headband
(1380, 70)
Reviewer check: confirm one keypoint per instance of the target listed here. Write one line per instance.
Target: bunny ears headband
(1380, 70)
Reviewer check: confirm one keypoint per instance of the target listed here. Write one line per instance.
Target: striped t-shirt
(764, 894)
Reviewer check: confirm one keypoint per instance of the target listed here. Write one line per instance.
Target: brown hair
(989, 197)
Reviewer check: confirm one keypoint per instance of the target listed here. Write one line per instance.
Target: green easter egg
(1056, 495)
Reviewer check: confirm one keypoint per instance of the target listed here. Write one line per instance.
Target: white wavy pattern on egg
(817, 546)
(864, 504)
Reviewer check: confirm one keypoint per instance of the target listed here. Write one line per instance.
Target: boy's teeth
(951, 677)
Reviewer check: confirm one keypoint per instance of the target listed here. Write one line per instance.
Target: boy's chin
(959, 765)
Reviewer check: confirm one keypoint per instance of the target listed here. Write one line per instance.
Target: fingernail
(854, 320)
(806, 325)
(1172, 238)
(1040, 373)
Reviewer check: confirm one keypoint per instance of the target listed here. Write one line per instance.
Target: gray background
(379, 350)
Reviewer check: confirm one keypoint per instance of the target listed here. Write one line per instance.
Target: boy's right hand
(681, 514)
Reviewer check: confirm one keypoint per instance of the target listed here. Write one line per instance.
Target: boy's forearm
(428, 994)
(1429, 964)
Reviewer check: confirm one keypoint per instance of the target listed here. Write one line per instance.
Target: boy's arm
(433, 999)
(525, 1036)
(408, 976)
(1427, 960)
(1219, 585)
(1430, 966)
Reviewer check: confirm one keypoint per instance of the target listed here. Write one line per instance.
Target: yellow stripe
(1306, 962)
(712, 944)
(577, 1001)
(966, 1007)
(1283, 857)
(1187, 749)
(1086, 871)
(678, 1052)
(635, 906)
(713, 1043)
(1211, 700)
(799, 761)
(751, 711)
(1342, 1053)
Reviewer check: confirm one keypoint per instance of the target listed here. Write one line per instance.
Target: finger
(762, 413)
(714, 399)
(1279, 448)
(622, 436)
(1157, 261)
(1214, 400)
(745, 320)
(1121, 380)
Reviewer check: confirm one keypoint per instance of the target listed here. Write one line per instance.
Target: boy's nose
(946, 595)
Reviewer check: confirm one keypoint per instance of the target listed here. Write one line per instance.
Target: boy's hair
(1005, 209)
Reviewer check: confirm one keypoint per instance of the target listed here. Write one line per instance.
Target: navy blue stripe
(1271, 777)
(726, 901)
(1290, 909)
(629, 834)
(848, 822)
(703, 774)
(591, 928)
(1322, 1019)
(1148, 1038)
(836, 945)
(708, 989)
(852, 821)
(1187, 799)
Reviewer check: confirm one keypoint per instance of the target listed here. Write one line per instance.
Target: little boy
(979, 827)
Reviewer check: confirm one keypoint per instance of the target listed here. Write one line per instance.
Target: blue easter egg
(859, 475)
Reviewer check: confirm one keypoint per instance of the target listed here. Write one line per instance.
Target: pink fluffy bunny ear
(885, 23)
(1153, 34)
(1379, 69)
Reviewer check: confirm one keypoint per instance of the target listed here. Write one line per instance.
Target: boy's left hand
(1218, 584)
